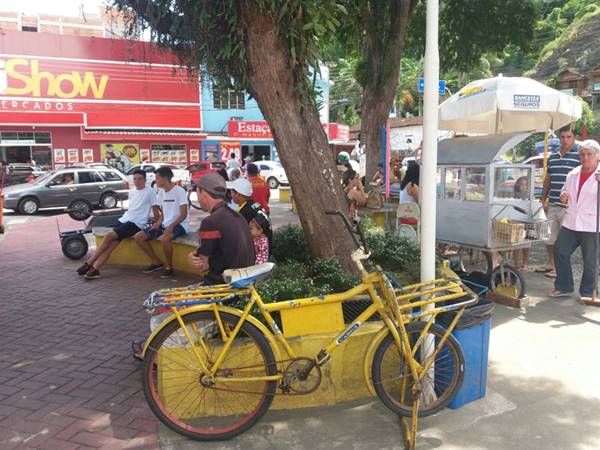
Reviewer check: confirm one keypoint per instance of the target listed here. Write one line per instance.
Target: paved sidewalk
(67, 378)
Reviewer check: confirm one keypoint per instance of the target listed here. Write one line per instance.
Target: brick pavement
(67, 378)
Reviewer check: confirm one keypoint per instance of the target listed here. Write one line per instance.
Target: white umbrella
(507, 105)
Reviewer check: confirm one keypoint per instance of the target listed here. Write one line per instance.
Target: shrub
(289, 244)
(329, 272)
(275, 289)
(290, 269)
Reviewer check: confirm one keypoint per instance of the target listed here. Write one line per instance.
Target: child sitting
(260, 229)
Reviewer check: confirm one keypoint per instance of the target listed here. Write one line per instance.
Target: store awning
(41, 118)
(175, 135)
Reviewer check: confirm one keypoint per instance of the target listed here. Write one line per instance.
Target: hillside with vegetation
(576, 48)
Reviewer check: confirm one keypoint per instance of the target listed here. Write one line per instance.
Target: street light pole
(427, 183)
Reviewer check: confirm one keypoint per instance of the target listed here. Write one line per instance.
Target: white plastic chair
(408, 221)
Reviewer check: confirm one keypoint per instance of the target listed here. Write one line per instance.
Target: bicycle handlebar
(353, 230)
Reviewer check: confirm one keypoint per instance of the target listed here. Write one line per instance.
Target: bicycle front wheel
(186, 400)
(392, 376)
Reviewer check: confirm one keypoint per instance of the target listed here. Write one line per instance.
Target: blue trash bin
(473, 334)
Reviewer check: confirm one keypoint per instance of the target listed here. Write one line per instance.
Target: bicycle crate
(509, 232)
(538, 231)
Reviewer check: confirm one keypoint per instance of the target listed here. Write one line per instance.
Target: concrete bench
(128, 253)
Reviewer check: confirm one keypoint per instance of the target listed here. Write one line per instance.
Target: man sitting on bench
(172, 223)
(141, 199)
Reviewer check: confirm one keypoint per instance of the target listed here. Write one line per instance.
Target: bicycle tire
(449, 359)
(166, 410)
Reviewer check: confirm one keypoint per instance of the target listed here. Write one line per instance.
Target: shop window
(475, 184)
(228, 98)
(89, 177)
(42, 138)
(452, 185)
(169, 153)
(30, 29)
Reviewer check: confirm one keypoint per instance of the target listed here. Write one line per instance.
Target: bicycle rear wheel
(176, 388)
(393, 380)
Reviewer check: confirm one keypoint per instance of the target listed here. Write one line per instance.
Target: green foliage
(329, 272)
(471, 28)
(211, 36)
(394, 253)
(289, 244)
(278, 289)
(586, 120)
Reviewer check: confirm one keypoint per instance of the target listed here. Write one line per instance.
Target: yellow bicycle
(211, 370)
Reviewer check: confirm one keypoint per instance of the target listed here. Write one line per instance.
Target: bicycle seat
(246, 276)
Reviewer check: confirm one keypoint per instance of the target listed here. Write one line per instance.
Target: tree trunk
(382, 54)
(299, 138)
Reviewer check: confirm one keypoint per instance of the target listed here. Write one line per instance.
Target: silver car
(77, 189)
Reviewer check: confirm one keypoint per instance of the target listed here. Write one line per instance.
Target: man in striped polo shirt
(559, 165)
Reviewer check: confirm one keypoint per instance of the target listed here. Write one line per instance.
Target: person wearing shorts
(141, 200)
(173, 222)
(559, 166)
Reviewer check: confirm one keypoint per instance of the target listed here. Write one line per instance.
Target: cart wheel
(74, 247)
(80, 210)
(508, 281)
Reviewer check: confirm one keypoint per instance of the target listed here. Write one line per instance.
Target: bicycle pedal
(322, 358)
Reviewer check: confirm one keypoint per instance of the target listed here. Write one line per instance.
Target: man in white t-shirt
(141, 200)
(172, 222)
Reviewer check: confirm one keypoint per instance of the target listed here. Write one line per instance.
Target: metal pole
(596, 246)
(427, 178)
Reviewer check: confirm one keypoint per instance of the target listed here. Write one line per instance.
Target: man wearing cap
(225, 240)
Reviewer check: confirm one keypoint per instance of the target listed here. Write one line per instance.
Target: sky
(60, 7)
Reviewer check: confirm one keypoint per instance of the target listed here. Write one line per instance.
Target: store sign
(113, 88)
(226, 148)
(339, 132)
(19, 76)
(256, 129)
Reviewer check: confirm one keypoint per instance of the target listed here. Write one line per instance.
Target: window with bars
(228, 98)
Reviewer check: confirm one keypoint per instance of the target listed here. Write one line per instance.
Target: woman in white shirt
(409, 187)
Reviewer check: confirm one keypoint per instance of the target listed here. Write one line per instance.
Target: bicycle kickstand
(410, 433)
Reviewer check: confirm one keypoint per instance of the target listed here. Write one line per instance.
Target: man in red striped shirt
(260, 189)
(225, 240)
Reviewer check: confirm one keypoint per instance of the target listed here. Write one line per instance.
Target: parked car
(273, 173)
(21, 173)
(77, 189)
(180, 176)
(196, 170)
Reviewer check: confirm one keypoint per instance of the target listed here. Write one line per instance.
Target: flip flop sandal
(551, 274)
(137, 349)
(558, 294)
(543, 270)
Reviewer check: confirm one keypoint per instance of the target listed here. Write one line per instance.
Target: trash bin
(473, 334)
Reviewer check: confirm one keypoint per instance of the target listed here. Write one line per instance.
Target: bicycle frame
(396, 308)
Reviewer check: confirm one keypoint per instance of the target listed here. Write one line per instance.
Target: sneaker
(83, 269)
(167, 273)
(92, 274)
(153, 268)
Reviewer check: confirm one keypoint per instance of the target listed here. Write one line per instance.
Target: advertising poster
(73, 155)
(120, 156)
(227, 148)
(144, 155)
(88, 155)
(59, 156)
(194, 155)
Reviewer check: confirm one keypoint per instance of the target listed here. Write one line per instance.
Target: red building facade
(71, 99)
